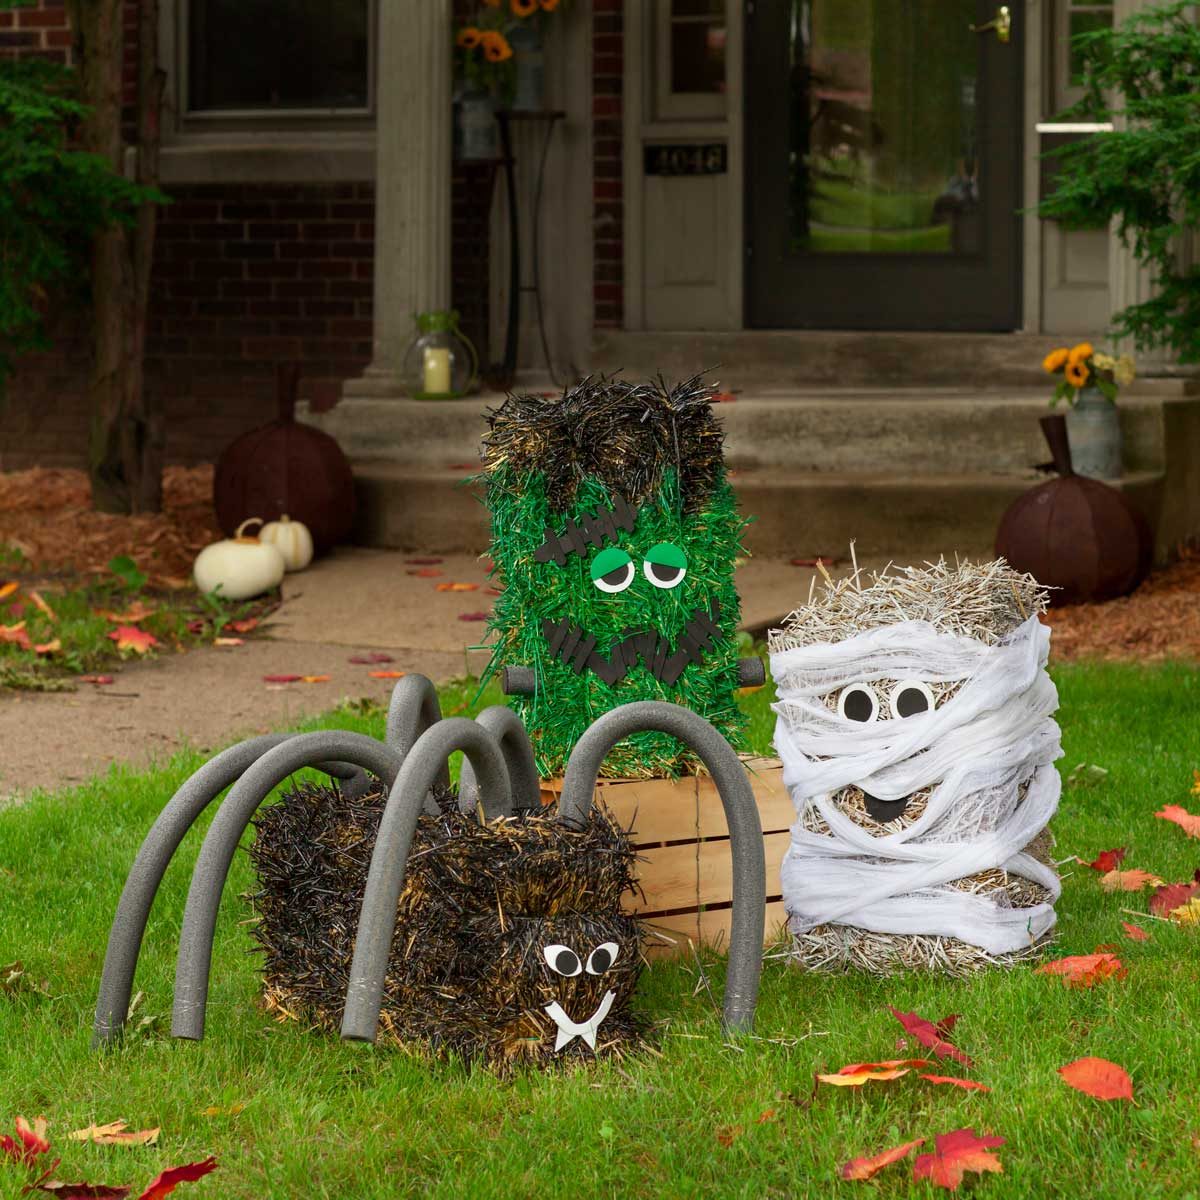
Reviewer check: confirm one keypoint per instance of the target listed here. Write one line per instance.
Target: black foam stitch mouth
(663, 658)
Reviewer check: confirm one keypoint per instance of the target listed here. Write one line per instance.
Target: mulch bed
(46, 514)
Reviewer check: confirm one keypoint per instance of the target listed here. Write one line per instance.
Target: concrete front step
(918, 431)
(794, 515)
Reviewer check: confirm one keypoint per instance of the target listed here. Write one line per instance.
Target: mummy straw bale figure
(614, 538)
(917, 738)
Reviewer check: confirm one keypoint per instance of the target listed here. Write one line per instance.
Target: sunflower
(468, 37)
(1055, 360)
(524, 8)
(1077, 374)
(1081, 352)
(495, 46)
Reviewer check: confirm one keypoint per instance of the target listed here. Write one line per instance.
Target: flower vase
(1094, 434)
(530, 93)
(478, 135)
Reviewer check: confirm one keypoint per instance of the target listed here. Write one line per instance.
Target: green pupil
(609, 560)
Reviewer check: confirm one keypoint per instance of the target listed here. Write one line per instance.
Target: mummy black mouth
(663, 658)
(884, 811)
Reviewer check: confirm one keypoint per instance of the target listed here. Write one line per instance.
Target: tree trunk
(126, 442)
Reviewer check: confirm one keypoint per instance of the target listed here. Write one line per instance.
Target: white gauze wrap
(976, 750)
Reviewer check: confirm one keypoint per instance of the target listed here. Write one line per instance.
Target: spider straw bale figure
(510, 944)
(915, 728)
(614, 537)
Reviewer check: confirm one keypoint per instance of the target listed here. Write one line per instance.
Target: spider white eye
(910, 698)
(858, 703)
(562, 959)
(602, 958)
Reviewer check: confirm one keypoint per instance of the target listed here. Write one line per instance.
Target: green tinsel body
(705, 523)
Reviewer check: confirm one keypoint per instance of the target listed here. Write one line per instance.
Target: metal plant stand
(549, 118)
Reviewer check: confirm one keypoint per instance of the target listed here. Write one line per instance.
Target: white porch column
(412, 182)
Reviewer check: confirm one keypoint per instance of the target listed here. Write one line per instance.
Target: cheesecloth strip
(977, 751)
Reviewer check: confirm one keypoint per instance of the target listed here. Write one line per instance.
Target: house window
(265, 57)
(1076, 17)
(690, 59)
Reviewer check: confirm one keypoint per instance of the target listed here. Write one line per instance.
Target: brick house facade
(250, 274)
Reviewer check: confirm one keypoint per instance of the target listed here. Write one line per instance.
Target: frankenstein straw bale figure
(915, 724)
(614, 537)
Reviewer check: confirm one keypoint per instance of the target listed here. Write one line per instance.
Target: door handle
(1001, 23)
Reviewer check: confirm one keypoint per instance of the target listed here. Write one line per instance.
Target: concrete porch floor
(907, 473)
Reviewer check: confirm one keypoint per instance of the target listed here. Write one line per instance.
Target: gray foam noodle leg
(385, 879)
(216, 854)
(414, 707)
(741, 815)
(506, 727)
(146, 874)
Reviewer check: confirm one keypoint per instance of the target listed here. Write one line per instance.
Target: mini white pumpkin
(241, 566)
(291, 539)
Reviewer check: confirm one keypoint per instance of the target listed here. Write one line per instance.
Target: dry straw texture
(480, 901)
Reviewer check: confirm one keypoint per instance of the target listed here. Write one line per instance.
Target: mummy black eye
(858, 703)
(911, 698)
(562, 959)
(602, 958)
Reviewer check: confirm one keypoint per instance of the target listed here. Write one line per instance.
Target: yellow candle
(437, 371)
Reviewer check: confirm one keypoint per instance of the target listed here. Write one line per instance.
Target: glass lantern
(441, 363)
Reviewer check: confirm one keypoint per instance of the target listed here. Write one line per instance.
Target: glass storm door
(883, 164)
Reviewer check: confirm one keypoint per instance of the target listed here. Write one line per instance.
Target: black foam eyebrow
(596, 527)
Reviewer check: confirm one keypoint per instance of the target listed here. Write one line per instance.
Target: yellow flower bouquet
(483, 48)
(1083, 366)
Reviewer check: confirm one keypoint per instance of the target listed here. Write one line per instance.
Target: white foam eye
(612, 570)
(910, 698)
(562, 959)
(602, 958)
(858, 703)
(665, 565)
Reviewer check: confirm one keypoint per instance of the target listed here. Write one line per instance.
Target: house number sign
(687, 159)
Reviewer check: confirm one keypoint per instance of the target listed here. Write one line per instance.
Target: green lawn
(325, 1119)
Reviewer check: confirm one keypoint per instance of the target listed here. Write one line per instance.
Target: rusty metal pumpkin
(286, 467)
(1075, 534)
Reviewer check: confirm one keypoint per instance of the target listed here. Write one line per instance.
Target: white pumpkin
(291, 539)
(241, 566)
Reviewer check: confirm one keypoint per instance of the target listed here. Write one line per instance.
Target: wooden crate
(685, 868)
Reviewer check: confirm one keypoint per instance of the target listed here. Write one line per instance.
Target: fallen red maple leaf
(1128, 881)
(862, 1073)
(314, 678)
(931, 1035)
(167, 1181)
(728, 1134)
(473, 616)
(1173, 895)
(133, 614)
(248, 625)
(387, 674)
(1106, 860)
(282, 678)
(457, 587)
(969, 1084)
(870, 1166)
(99, 680)
(32, 1141)
(372, 656)
(1099, 1078)
(130, 637)
(1188, 822)
(16, 634)
(956, 1153)
(1085, 970)
(76, 1191)
(7, 589)
(1135, 933)
(425, 572)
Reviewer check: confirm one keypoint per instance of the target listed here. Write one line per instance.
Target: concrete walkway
(352, 603)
